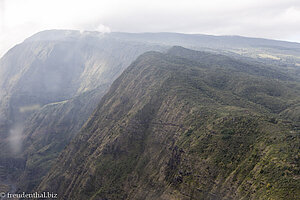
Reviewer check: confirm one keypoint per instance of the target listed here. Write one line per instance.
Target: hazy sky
(277, 19)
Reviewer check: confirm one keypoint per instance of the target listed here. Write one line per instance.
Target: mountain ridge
(161, 132)
(38, 73)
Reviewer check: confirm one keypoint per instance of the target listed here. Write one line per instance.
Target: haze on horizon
(273, 19)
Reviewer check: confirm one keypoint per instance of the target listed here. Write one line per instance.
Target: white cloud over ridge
(276, 19)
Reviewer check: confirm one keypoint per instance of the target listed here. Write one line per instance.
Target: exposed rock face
(186, 125)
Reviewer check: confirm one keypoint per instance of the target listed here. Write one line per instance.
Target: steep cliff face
(185, 125)
(53, 66)
(49, 85)
(49, 130)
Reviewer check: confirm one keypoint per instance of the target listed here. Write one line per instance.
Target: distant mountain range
(219, 123)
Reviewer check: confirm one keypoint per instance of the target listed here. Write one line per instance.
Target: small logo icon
(2, 195)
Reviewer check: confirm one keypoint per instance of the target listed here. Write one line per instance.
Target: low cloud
(276, 19)
(15, 138)
(29, 108)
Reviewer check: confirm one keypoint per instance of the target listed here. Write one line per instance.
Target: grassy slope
(177, 128)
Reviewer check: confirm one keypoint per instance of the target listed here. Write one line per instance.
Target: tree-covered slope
(172, 127)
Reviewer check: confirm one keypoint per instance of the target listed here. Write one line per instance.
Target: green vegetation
(187, 125)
